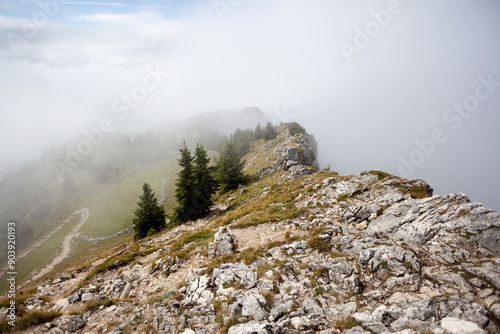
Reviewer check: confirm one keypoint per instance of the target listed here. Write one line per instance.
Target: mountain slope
(297, 251)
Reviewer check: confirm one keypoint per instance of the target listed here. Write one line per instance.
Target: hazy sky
(411, 87)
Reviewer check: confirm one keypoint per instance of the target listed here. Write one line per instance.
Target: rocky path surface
(66, 246)
(163, 192)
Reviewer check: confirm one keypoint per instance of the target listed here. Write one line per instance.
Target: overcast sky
(410, 87)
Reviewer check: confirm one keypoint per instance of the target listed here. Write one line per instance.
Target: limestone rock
(70, 323)
(223, 243)
(456, 326)
(86, 297)
(126, 291)
(235, 272)
(65, 276)
(73, 298)
(253, 305)
(252, 327)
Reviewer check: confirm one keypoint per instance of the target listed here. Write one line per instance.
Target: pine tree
(269, 131)
(205, 184)
(149, 217)
(229, 168)
(185, 192)
(258, 132)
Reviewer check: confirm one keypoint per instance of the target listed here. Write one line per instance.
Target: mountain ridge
(298, 250)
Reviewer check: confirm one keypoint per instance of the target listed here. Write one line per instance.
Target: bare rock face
(223, 243)
(69, 323)
(237, 273)
(291, 153)
(399, 268)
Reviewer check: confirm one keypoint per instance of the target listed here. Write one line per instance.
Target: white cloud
(109, 4)
(267, 54)
(91, 3)
(109, 18)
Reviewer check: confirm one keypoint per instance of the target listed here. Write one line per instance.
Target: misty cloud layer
(371, 101)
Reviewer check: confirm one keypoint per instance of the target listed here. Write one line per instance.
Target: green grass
(381, 175)
(383, 265)
(111, 210)
(319, 244)
(315, 242)
(193, 241)
(230, 323)
(115, 262)
(408, 265)
(5, 302)
(248, 210)
(318, 291)
(32, 319)
(197, 236)
(416, 191)
(342, 197)
(247, 256)
(42, 256)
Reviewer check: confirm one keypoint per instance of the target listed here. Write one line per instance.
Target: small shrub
(318, 291)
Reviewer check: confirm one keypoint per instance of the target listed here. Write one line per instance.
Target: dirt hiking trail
(66, 246)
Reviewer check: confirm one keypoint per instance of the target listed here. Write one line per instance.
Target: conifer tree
(185, 192)
(229, 168)
(269, 131)
(195, 185)
(205, 184)
(258, 132)
(149, 217)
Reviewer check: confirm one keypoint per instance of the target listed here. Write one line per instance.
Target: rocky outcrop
(223, 243)
(295, 153)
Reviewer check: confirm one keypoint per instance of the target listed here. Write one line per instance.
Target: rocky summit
(295, 251)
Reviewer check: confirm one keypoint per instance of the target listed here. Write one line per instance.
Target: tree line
(198, 181)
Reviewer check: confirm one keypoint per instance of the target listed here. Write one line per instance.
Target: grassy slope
(111, 210)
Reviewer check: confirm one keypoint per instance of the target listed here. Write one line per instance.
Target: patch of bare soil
(256, 236)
